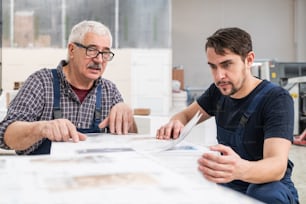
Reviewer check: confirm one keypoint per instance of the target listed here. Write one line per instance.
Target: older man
(64, 103)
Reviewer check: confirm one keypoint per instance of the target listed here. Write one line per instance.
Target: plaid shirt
(34, 102)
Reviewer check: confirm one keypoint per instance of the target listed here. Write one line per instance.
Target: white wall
(143, 76)
(300, 29)
(277, 28)
(18, 64)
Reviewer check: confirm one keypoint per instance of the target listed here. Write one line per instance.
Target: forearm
(273, 165)
(188, 113)
(181, 116)
(262, 171)
(21, 135)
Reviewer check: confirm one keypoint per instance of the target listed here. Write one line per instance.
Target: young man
(64, 103)
(254, 121)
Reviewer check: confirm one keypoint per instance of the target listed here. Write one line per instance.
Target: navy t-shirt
(273, 116)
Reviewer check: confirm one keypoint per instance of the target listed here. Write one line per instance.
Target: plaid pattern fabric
(34, 102)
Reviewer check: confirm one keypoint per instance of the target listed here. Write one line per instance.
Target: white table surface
(115, 169)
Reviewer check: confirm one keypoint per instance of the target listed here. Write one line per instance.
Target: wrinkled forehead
(101, 41)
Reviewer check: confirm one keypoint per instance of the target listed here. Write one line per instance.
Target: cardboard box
(178, 74)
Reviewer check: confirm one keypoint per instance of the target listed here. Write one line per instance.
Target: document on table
(99, 142)
(123, 178)
(163, 145)
(109, 177)
(114, 169)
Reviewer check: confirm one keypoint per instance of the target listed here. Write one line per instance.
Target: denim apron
(45, 147)
(236, 140)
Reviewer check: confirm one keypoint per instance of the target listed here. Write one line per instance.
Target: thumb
(104, 123)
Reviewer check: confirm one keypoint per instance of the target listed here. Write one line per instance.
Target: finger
(73, 134)
(82, 137)
(57, 131)
(216, 179)
(112, 122)
(126, 123)
(217, 176)
(207, 163)
(224, 150)
(176, 130)
(157, 134)
(64, 128)
(205, 168)
(104, 123)
(216, 162)
(131, 122)
(160, 133)
(119, 123)
(213, 156)
(168, 130)
(163, 133)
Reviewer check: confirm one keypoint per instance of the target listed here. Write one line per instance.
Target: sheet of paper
(100, 142)
(95, 178)
(109, 177)
(187, 129)
(110, 169)
(155, 145)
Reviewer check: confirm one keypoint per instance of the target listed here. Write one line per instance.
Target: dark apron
(235, 139)
(45, 147)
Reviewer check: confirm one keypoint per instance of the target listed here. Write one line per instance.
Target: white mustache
(95, 66)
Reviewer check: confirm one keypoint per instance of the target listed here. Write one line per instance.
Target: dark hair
(236, 40)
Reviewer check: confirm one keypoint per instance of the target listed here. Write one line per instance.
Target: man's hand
(171, 130)
(119, 120)
(220, 168)
(61, 130)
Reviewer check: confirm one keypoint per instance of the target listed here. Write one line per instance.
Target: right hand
(171, 130)
(120, 119)
(61, 130)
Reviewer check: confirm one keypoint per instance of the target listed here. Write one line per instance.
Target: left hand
(170, 130)
(119, 120)
(220, 168)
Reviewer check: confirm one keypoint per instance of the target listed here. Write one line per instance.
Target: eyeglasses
(93, 52)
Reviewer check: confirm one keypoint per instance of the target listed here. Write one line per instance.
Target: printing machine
(291, 76)
(297, 89)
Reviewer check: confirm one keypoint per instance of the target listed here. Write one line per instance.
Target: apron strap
(244, 119)
(236, 138)
(254, 103)
(98, 109)
(45, 146)
(57, 113)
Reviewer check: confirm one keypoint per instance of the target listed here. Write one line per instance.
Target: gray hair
(79, 30)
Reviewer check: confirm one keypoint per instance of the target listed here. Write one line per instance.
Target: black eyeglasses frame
(103, 53)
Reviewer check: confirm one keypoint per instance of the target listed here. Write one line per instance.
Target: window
(47, 23)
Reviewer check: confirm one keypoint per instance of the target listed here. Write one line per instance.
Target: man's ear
(249, 60)
(71, 49)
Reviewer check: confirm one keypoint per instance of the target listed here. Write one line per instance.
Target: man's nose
(220, 73)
